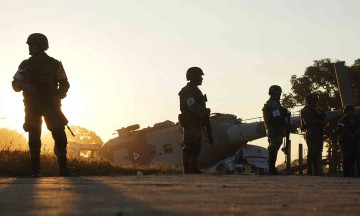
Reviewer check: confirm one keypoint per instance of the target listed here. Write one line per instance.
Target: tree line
(14, 140)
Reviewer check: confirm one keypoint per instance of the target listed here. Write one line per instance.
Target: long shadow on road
(67, 196)
(94, 197)
(17, 196)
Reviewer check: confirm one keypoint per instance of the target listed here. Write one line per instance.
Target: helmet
(311, 97)
(349, 107)
(194, 73)
(39, 39)
(275, 89)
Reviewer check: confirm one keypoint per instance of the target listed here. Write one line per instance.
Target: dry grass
(17, 164)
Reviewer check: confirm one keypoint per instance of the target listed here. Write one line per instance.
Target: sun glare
(13, 110)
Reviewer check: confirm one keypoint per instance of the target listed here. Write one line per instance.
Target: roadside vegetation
(16, 163)
(15, 157)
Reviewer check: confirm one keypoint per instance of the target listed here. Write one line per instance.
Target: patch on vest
(276, 113)
(190, 101)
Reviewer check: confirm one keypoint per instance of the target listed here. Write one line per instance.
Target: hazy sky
(126, 60)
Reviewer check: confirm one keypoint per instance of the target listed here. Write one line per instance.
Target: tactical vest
(199, 98)
(314, 114)
(42, 75)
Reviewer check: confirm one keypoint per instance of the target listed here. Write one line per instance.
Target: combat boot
(273, 171)
(35, 165)
(35, 174)
(63, 169)
(187, 169)
(194, 168)
(195, 171)
(271, 162)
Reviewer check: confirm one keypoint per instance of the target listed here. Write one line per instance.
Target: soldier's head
(37, 43)
(349, 110)
(194, 75)
(275, 91)
(311, 99)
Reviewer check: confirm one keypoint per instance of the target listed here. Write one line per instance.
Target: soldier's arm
(195, 108)
(19, 82)
(277, 112)
(309, 119)
(64, 84)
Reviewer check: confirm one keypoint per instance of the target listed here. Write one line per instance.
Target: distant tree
(82, 136)
(12, 140)
(321, 79)
(354, 76)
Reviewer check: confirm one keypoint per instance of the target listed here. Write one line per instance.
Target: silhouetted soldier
(192, 117)
(44, 83)
(349, 139)
(275, 122)
(313, 121)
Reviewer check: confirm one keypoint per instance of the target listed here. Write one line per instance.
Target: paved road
(180, 195)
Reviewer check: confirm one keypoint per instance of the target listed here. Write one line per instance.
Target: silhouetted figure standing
(275, 123)
(349, 140)
(313, 123)
(193, 113)
(44, 83)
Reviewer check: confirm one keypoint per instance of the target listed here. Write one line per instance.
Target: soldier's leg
(275, 142)
(347, 165)
(196, 148)
(186, 152)
(309, 161)
(56, 125)
(32, 125)
(186, 156)
(316, 162)
(310, 155)
(35, 147)
(317, 157)
(190, 143)
(60, 149)
(357, 161)
(347, 158)
(353, 163)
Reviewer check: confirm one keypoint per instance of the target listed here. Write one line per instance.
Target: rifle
(208, 131)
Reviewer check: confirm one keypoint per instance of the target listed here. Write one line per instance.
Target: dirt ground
(181, 195)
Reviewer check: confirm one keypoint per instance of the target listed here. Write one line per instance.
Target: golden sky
(126, 59)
